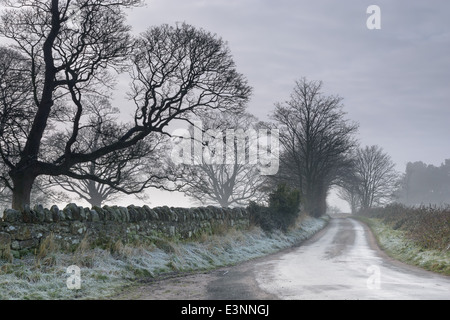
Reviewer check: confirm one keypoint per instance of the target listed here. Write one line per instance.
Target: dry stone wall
(22, 231)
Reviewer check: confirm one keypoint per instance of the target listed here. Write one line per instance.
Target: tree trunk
(96, 201)
(315, 199)
(23, 184)
(223, 202)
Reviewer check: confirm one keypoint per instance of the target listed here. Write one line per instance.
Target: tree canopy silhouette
(316, 140)
(64, 52)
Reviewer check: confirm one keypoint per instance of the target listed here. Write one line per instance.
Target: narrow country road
(344, 263)
(340, 262)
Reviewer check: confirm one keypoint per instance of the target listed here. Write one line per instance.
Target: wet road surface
(340, 262)
(343, 262)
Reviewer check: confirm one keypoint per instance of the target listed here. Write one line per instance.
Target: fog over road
(340, 262)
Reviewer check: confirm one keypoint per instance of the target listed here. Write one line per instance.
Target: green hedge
(281, 212)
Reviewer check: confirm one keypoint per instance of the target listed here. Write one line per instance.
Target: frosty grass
(105, 272)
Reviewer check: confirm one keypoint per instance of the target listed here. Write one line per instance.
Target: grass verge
(398, 245)
(105, 272)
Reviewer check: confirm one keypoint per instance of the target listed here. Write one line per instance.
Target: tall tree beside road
(374, 181)
(66, 50)
(316, 140)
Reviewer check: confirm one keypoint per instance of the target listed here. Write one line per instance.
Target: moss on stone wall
(23, 231)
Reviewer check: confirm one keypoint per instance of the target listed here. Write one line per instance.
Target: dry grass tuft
(47, 251)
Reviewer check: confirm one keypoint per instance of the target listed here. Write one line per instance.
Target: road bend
(343, 262)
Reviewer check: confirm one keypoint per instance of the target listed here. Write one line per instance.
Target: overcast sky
(395, 81)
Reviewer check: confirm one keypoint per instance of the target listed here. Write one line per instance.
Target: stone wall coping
(72, 212)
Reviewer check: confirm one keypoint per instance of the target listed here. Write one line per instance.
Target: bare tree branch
(316, 139)
(70, 50)
(215, 178)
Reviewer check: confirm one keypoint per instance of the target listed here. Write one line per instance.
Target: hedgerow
(428, 226)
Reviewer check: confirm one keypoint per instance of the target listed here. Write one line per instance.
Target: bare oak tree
(66, 50)
(222, 173)
(127, 171)
(375, 177)
(316, 139)
(349, 190)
